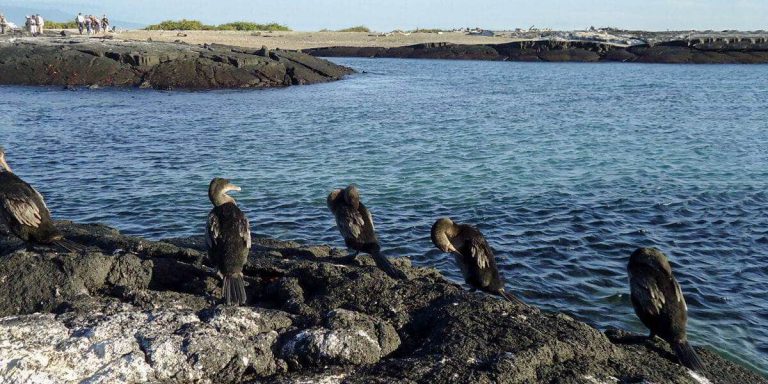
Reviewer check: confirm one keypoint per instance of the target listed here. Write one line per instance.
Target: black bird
(355, 223)
(228, 235)
(23, 211)
(473, 256)
(659, 302)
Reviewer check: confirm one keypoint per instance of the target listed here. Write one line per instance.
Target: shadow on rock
(132, 310)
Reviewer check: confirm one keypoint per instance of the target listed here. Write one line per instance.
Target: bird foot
(618, 336)
(41, 249)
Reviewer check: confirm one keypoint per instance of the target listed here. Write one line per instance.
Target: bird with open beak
(228, 236)
(23, 211)
(473, 255)
(355, 223)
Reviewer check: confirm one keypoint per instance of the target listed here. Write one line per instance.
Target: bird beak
(448, 248)
(231, 187)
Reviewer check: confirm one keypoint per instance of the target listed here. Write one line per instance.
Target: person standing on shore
(105, 24)
(2, 24)
(31, 25)
(80, 20)
(96, 25)
(40, 24)
(88, 24)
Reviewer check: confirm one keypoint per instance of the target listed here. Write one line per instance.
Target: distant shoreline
(692, 47)
(232, 59)
(560, 51)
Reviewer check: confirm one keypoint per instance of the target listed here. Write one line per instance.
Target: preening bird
(473, 255)
(355, 223)
(23, 211)
(659, 302)
(228, 236)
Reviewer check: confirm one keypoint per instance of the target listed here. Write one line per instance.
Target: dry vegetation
(195, 25)
(304, 40)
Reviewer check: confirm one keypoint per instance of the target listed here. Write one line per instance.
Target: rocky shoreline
(105, 62)
(689, 50)
(132, 310)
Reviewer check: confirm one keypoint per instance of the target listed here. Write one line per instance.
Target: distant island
(594, 45)
(234, 56)
(104, 61)
(728, 47)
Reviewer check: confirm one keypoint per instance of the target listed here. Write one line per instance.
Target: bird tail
(234, 289)
(688, 356)
(385, 265)
(70, 246)
(511, 297)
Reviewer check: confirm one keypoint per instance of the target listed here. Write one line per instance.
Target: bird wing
(212, 230)
(480, 252)
(679, 294)
(647, 294)
(350, 223)
(40, 196)
(369, 216)
(244, 229)
(23, 210)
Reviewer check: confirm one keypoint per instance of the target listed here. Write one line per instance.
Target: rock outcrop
(110, 62)
(131, 310)
(688, 51)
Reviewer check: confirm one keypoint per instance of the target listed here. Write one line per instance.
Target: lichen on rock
(347, 338)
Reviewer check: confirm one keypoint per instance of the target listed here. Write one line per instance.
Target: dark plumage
(228, 235)
(355, 223)
(23, 210)
(659, 302)
(473, 256)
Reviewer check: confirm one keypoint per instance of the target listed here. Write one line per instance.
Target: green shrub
(183, 25)
(195, 25)
(58, 25)
(359, 28)
(248, 26)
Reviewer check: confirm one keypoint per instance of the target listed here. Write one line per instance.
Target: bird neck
(4, 167)
(442, 239)
(222, 199)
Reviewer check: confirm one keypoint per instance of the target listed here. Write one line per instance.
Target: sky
(387, 15)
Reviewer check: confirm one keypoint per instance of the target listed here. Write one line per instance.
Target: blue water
(566, 168)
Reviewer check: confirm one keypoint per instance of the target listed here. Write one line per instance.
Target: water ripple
(566, 168)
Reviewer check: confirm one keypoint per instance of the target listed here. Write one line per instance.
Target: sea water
(566, 168)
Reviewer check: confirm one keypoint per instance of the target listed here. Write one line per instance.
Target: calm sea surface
(566, 168)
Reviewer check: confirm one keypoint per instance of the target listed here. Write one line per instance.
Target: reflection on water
(566, 168)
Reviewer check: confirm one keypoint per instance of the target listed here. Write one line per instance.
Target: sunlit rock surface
(97, 62)
(131, 311)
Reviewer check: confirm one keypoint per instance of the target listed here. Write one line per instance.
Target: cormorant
(228, 235)
(23, 210)
(473, 256)
(355, 223)
(659, 302)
